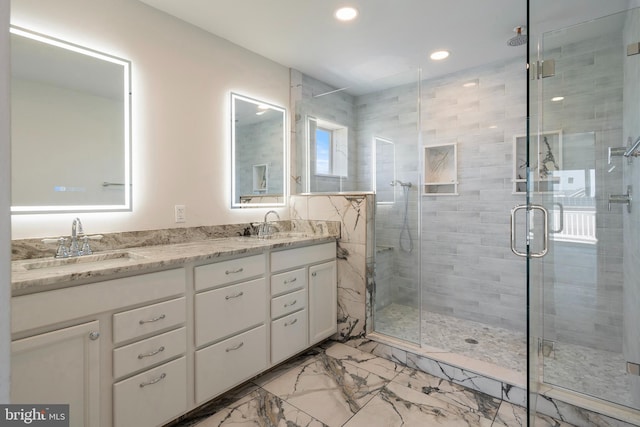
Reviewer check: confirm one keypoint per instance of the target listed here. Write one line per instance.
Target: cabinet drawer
(225, 311)
(140, 355)
(291, 258)
(288, 303)
(86, 300)
(221, 273)
(289, 281)
(288, 336)
(151, 398)
(144, 320)
(228, 363)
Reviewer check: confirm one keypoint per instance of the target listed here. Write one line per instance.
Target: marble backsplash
(35, 248)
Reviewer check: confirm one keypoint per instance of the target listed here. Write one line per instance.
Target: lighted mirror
(258, 153)
(384, 173)
(70, 127)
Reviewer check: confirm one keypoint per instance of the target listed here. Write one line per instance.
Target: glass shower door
(588, 97)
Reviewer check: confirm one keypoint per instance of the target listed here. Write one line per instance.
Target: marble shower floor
(337, 385)
(590, 371)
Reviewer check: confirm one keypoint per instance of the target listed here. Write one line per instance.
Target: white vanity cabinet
(323, 301)
(230, 333)
(143, 350)
(304, 298)
(62, 349)
(61, 366)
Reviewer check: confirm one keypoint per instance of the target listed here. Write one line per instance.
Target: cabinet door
(323, 301)
(63, 367)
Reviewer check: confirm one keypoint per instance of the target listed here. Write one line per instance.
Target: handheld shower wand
(405, 234)
(633, 150)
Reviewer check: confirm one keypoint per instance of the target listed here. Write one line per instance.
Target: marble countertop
(42, 274)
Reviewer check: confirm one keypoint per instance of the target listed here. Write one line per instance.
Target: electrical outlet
(181, 213)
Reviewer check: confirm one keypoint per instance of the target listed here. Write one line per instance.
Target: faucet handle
(61, 251)
(86, 248)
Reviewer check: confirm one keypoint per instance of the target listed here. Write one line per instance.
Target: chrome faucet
(76, 228)
(265, 229)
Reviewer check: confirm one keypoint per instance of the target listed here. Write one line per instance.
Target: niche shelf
(260, 177)
(544, 166)
(440, 170)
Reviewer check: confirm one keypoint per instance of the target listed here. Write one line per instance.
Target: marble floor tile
(336, 385)
(327, 389)
(516, 416)
(367, 361)
(260, 409)
(396, 405)
(451, 393)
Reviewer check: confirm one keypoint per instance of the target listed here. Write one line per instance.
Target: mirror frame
(235, 198)
(127, 184)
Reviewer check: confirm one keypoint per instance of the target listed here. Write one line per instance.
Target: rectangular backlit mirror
(258, 153)
(70, 127)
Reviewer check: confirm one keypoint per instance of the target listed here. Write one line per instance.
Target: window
(324, 143)
(330, 148)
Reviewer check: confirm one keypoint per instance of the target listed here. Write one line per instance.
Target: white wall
(182, 77)
(5, 218)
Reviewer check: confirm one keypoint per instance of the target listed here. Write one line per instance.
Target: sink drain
(471, 341)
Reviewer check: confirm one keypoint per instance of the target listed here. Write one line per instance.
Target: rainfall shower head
(519, 39)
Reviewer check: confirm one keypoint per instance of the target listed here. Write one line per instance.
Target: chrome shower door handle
(561, 227)
(513, 230)
(545, 230)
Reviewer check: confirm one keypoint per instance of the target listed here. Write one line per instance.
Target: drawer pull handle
(153, 353)
(314, 274)
(239, 294)
(286, 282)
(289, 304)
(291, 323)
(155, 319)
(228, 272)
(153, 381)
(235, 347)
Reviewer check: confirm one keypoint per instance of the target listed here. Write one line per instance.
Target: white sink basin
(58, 262)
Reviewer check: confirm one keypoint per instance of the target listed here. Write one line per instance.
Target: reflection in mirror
(258, 151)
(70, 119)
(384, 174)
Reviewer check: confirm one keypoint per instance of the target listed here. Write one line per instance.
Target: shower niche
(545, 167)
(440, 170)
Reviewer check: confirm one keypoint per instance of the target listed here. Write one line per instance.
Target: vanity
(149, 334)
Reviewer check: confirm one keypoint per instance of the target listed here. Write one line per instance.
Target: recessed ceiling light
(469, 84)
(557, 98)
(346, 13)
(440, 55)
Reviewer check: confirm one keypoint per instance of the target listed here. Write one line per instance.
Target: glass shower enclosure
(584, 170)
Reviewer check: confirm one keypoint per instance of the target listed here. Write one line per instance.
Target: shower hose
(405, 240)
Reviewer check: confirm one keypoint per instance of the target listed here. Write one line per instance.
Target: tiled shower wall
(468, 270)
(631, 227)
(583, 283)
(311, 99)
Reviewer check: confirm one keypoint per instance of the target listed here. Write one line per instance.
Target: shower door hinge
(546, 348)
(543, 69)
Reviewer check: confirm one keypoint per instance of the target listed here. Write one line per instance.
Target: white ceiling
(389, 37)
